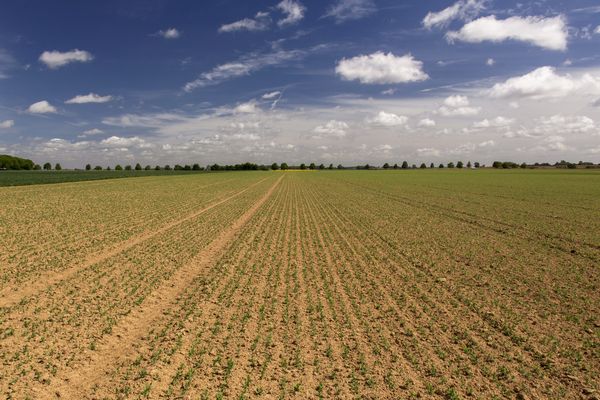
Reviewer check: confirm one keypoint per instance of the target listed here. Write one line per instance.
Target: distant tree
(157, 168)
(118, 167)
(128, 168)
(469, 165)
(274, 166)
(450, 164)
(312, 166)
(302, 166)
(88, 167)
(37, 167)
(414, 166)
(57, 167)
(423, 166)
(330, 166)
(108, 168)
(476, 164)
(524, 165)
(196, 167)
(138, 167)
(441, 166)
(187, 167)
(178, 167)
(497, 164)
(395, 166)
(97, 168)
(321, 166)
(459, 164)
(404, 165)
(386, 166)
(432, 165)
(147, 168)
(167, 167)
(284, 166)
(47, 166)
(340, 166)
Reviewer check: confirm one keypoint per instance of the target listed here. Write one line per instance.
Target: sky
(330, 81)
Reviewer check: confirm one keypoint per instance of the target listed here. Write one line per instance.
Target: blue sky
(340, 81)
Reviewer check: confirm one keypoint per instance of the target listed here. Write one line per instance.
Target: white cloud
(389, 92)
(553, 143)
(383, 147)
(271, 95)
(170, 33)
(427, 123)
(568, 124)
(545, 83)
(244, 66)
(597, 30)
(497, 122)
(463, 9)
(333, 128)
(388, 119)
(125, 142)
(293, 10)
(487, 143)
(7, 63)
(347, 10)
(42, 107)
(89, 98)
(9, 123)
(457, 105)
(381, 68)
(490, 62)
(548, 33)
(56, 59)
(260, 22)
(247, 108)
(428, 152)
(91, 132)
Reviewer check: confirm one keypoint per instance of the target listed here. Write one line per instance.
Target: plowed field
(332, 284)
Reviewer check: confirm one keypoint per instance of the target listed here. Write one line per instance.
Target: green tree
(340, 166)
(98, 168)
(284, 166)
(330, 166)
(459, 164)
(128, 168)
(386, 166)
(274, 166)
(321, 166)
(524, 165)
(118, 167)
(138, 167)
(476, 164)
(187, 167)
(88, 167)
(469, 165)
(423, 166)
(37, 167)
(302, 166)
(441, 166)
(47, 166)
(58, 167)
(167, 167)
(450, 164)
(497, 164)
(404, 165)
(432, 165)
(312, 166)
(147, 168)
(196, 167)
(157, 168)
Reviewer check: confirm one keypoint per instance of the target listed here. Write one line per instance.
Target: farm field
(453, 284)
(21, 178)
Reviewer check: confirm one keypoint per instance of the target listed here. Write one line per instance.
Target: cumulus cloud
(170, 33)
(260, 22)
(490, 62)
(89, 98)
(597, 30)
(381, 68)
(56, 59)
(457, 105)
(244, 66)
(497, 122)
(348, 10)
(293, 10)
(487, 143)
(428, 152)
(333, 128)
(42, 107)
(463, 9)
(249, 107)
(548, 33)
(135, 141)
(567, 124)
(427, 123)
(91, 132)
(9, 123)
(271, 95)
(388, 119)
(545, 83)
